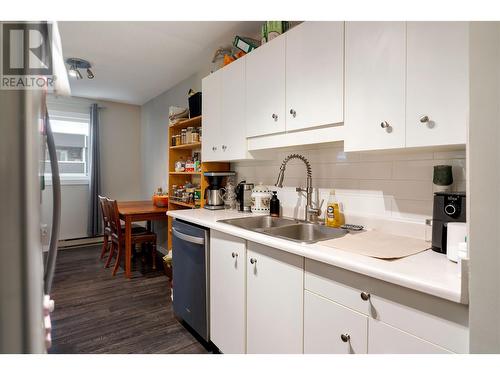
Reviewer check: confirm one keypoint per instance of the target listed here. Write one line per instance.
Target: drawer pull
(345, 337)
(253, 260)
(365, 296)
(234, 255)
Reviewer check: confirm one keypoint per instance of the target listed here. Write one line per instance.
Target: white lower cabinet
(330, 328)
(275, 290)
(384, 339)
(227, 292)
(265, 300)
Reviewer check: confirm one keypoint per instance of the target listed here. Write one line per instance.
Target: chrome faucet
(311, 213)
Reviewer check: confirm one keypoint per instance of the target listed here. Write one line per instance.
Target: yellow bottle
(334, 217)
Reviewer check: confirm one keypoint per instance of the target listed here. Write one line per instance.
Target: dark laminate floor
(98, 313)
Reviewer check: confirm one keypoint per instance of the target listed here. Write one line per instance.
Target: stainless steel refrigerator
(25, 273)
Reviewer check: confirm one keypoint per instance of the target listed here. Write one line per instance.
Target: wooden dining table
(133, 211)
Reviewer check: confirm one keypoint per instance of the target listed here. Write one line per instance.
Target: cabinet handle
(224, 147)
(214, 148)
(365, 296)
(424, 119)
(234, 255)
(293, 113)
(385, 125)
(275, 117)
(253, 260)
(345, 337)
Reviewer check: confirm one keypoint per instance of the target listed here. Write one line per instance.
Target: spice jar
(174, 140)
(195, 136)
(189, 132)
(183, 136)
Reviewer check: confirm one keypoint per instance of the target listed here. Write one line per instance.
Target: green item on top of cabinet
(272, 29)
(245, 44)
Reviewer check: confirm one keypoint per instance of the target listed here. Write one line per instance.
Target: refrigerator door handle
(56, 211)
(188, 238)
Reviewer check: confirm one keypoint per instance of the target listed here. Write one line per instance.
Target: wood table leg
(148, 225)
(128, 247)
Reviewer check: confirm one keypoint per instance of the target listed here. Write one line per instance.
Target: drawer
(441, 322)
(334, 283)
(325, 323)
(384, 339)
(448, 330)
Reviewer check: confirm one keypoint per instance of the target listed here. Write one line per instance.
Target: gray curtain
(94, 220)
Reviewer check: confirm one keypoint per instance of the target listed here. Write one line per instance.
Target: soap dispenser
(274, 205)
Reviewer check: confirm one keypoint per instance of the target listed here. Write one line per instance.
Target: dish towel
(378, 245)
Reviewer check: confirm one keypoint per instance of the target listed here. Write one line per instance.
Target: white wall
(120, 166)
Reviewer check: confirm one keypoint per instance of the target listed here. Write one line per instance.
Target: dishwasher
(190, 267)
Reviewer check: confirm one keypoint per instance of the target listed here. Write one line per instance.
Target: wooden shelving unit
(185, 151)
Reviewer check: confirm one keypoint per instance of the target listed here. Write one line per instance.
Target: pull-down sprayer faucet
(311, 214)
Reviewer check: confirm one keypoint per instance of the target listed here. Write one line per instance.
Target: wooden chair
(118, 237)
(106, 225)
(106, 222)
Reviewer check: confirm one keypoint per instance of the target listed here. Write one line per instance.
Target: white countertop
(428, 272)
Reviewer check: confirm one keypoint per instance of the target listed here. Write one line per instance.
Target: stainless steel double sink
(286, 228)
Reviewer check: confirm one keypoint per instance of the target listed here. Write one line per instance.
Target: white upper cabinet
(314, 75)
(437, 83)
(265, 89)
(223, 107)
(375, 54)
(232, 136)
(211, 116)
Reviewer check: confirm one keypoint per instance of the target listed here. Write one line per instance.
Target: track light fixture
(75, 64)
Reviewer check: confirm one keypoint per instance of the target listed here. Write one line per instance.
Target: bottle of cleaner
(333, 218)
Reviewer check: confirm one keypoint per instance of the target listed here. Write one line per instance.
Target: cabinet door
(227, 292)
(275, 291)
(211, 112)
(384, 339)
(374, 85)
(437, 83)
(330, 328)
(233, 141)
(265, 89)
(314, 75)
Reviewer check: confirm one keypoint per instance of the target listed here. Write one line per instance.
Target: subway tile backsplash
(394, 185)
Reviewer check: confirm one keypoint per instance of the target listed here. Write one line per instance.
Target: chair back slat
(114, 218)
(104, 210)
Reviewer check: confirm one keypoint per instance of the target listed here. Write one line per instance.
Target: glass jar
(174, 140)
(183, 136)
(195, 136)
(189, 132)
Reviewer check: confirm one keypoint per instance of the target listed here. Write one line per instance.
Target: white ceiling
(136, 61)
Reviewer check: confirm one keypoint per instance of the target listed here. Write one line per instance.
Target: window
(71, 137)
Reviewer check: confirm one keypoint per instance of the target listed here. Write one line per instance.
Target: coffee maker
(448, 208)
(213, 195)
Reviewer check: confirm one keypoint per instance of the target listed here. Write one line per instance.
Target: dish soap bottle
(274, 205)
(333, 217)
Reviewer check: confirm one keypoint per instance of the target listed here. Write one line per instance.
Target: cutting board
(378, 244)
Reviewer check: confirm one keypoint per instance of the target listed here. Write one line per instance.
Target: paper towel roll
(456, 234)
